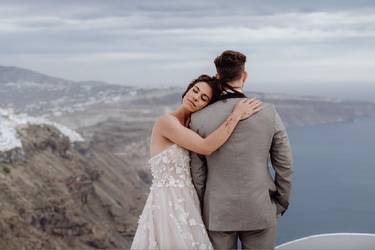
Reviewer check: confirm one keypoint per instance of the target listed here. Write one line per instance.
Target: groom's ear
(217, 76)
(244, 76)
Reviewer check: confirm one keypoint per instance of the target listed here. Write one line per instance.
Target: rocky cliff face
(63, 195)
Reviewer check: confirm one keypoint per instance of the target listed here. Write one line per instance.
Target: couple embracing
(210, 165)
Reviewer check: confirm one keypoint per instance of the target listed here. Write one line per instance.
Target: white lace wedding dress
(171, 218)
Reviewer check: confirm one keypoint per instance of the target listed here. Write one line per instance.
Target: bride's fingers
(256, 104)
(257, 109)
(247, 100)
(251, 100)
(259, 104)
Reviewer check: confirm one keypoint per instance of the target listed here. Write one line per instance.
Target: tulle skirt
(171, 219)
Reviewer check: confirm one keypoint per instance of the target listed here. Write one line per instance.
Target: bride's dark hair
(213, 82)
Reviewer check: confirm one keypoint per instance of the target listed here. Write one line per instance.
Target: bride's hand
(247, 107)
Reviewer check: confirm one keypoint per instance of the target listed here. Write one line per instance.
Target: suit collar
(231, 95)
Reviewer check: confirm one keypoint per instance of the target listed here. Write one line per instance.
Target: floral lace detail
(171, 168)
(183, 220)
(171, 217)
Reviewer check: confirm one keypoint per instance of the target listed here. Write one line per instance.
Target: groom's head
(230, 67)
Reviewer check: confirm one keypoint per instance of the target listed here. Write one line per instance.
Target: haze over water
(333, 181)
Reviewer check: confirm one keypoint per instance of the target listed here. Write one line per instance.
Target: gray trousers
(255, 239)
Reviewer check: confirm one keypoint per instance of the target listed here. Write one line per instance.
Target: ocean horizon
(333, 180)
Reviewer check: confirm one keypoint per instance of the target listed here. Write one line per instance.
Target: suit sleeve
(282, 162)
(198, 167)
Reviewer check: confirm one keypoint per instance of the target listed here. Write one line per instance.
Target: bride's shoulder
(166, 120)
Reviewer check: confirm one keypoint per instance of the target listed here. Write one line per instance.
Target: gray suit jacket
(234, 184)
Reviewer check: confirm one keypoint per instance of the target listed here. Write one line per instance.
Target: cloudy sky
(309, 47)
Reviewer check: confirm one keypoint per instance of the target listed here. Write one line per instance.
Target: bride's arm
(173, 130)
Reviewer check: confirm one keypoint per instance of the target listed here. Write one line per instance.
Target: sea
(333, 182)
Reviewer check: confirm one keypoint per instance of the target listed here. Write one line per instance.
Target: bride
(171, 217)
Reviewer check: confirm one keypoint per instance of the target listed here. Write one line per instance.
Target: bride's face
(197, 97)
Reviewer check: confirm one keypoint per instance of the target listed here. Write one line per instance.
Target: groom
(239, 197)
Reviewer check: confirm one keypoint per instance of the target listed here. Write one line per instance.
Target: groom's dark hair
(230, 65)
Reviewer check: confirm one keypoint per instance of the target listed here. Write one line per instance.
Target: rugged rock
(13, 155)
(64, 196)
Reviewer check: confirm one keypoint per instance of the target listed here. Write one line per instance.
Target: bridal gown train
(171, 217)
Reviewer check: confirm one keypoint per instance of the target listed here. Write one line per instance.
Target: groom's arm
(282, 162)
(198, 166)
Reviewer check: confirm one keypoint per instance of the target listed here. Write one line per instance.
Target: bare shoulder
(166, 121)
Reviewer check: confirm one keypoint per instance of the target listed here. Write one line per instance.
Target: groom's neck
(237, 85)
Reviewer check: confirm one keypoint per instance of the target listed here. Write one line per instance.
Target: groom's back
(238, 183)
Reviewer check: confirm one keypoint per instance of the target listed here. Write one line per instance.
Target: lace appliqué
(171, 168)
(172, 207)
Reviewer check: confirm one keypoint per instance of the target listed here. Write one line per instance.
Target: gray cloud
(170, 42)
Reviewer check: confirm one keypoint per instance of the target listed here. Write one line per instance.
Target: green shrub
(6, 169)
